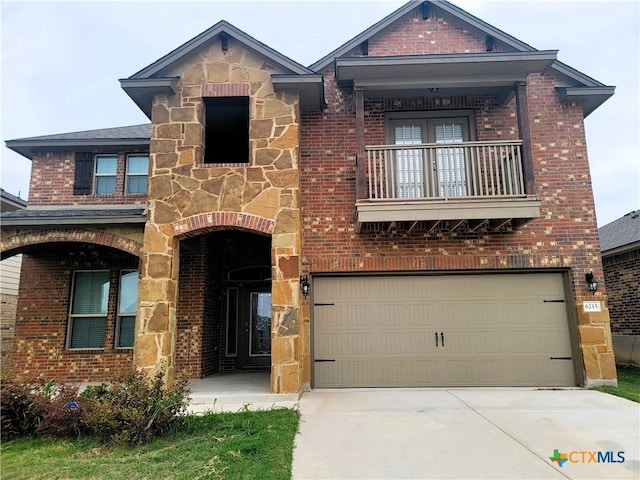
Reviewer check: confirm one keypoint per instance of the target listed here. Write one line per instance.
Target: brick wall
(622, 276)
(564, 237)
(414, 36)
(191, 316)
(52, 178)
(43, 309)
(205, 261)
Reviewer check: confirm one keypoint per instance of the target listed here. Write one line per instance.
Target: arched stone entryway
(157, 335)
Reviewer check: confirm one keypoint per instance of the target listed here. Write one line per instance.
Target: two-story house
(413, 209)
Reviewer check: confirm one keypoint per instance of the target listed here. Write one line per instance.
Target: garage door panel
(407, 343)
(409, 315)
(498, 330)
(400, 372)
(352, 373)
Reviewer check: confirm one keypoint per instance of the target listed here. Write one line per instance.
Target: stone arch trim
(247, 221)
(74, 235)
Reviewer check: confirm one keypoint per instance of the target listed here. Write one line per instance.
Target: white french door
(421, 172)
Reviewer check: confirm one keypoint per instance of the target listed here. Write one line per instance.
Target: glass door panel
(260, 324)
(452, 178)
(409, 162)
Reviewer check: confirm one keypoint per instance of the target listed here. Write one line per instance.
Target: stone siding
(183, 186)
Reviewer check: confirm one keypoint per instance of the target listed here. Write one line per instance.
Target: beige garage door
(466, 330)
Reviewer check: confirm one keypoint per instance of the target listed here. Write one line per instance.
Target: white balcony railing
(449, 170)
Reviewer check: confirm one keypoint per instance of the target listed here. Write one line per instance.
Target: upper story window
(227, 130)
(111, 174)
(105, 174)
(137, 174)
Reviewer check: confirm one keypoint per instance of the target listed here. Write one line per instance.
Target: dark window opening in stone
(227, 130)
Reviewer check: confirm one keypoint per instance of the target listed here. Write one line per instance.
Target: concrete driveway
(466, 434)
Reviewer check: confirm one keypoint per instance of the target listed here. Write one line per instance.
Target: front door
(254, 342)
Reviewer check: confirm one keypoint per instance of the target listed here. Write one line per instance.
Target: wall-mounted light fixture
(305, 286)
(592, 283)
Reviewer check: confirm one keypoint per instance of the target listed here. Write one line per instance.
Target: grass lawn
(628, 384)
(244, 445)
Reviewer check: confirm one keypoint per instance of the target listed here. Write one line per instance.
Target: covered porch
(234, 391)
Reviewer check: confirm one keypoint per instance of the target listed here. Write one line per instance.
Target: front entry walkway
(231, 392)
(471, 433)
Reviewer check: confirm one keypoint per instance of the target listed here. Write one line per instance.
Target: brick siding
(52, 178)
(43, 310)
(622, 276)
(564, 237)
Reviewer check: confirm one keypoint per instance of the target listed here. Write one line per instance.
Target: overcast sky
(61, 62)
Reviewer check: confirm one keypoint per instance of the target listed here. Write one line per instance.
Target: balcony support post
(524, 128)
(361, 180)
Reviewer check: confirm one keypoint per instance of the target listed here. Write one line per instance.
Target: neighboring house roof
(130, 136)
(577, 86)
(11, 202)
(153, 79)
(72, 216)
(621, 235)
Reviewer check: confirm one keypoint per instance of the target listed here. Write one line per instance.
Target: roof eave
(143, 90)
(310, 88)
(435, 71)
(28, 148)
(73, 220)
(590, 97)
(621, 249)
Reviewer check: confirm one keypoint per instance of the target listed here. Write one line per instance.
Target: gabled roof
(621, 235)
(11, 202)
(130, 136)
(162, 65)
(151, 80)
(592, 97)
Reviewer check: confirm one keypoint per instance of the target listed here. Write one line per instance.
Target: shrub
(131, 411)
(19, 413)
(59, 412)
(134, 409)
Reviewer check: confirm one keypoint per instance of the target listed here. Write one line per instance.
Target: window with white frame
(88, 313)
(127, 304)
(105, 174)
(137, 174)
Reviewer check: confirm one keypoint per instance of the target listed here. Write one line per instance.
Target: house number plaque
(590, 307)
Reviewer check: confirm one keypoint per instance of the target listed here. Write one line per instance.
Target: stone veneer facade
(188, 197)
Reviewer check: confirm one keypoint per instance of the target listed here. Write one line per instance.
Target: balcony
(466, 187)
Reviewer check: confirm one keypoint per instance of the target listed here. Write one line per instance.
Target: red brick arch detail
(204, 221)
(73, 235)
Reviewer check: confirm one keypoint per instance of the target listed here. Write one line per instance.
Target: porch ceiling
(459, 213)
(451, 71)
